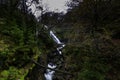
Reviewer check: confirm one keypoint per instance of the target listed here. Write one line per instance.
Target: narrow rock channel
(55, 59)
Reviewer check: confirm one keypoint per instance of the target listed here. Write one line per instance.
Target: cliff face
(3, 1)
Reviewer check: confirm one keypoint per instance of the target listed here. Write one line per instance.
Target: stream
(36, 8)
(52, 59)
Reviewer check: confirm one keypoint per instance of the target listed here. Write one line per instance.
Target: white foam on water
(54, 37)
(50, 73)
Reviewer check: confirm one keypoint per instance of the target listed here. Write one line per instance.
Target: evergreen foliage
(91, 31)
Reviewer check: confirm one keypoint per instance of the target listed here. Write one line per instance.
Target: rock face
(3, 1)
(32, 7)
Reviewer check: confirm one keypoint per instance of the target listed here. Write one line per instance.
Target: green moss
(13, 74)
(17, 45)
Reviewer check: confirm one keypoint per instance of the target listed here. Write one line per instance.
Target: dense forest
(90, 30)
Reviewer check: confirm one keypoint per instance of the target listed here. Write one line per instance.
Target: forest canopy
(89, 29)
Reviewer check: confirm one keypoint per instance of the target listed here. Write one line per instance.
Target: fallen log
(56, 70)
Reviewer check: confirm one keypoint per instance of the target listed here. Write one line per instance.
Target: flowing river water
(36, 8)
(51, 63)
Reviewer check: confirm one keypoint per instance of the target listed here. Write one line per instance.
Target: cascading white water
(49, 73)
(36, 8)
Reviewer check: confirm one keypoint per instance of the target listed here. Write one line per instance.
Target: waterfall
(35, 8)
(51, 64)
(49, 73)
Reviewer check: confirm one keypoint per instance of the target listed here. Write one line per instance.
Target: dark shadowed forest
(90, 30)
